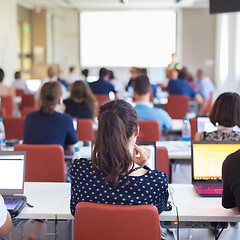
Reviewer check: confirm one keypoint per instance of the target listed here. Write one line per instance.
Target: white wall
(8, 39)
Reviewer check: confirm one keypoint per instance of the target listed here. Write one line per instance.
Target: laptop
(207, 160)
(204, 125)
(152, 146)
(12, 169)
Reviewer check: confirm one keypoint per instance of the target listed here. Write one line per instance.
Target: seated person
(5, 219)
(144, 108)
(178, 86)
(48, 126)
(82, 103)
(102, 85)
(19, 83)
(117, 173)
(231, 181)
(225, 114)
(204, 87)
(4, 89)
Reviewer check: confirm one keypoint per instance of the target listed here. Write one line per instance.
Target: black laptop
(207, 160)
(12, 169)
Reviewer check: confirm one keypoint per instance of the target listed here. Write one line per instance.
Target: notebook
(12, 169)
(207, 160)
(204, 125)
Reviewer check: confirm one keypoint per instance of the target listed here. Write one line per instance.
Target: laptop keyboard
(209, 185)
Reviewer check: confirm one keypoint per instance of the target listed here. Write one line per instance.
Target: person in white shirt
(5, 219)
(19, 83)
(73, 75)
(205, 87)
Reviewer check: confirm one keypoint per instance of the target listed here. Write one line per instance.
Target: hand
(141, 155)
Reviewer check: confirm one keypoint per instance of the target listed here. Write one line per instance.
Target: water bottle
(2, 135)
(76, 154)
(186, 130)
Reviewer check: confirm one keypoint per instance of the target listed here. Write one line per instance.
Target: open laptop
(152, 146)
(207, 160)
(12, 173)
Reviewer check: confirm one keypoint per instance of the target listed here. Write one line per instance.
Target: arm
(198, 98)
(141, 155)
(6, 227)
(197, 136)
(69, 149)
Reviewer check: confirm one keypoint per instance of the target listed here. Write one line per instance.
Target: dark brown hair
(52, 71)
(141, 85)
(17, 75)
(81, 90)
(226, 110)
(117, 122)
(50, 95)
(1, 75)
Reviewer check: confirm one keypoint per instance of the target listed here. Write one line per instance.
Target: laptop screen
(204, 125)
(12, 172)
(207, 159)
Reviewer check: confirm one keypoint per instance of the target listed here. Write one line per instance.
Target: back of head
(1, 75)
(200, 74)
(226, 110)
(52, 72)
(103, 72)
(141, 85)
(72, 69)
(85, 72)
(172, 74)
(117, 124)
(50, 95)
(17, 75)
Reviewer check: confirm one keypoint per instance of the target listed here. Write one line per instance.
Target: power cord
(171, 191)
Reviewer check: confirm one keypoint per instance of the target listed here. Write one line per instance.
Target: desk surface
(46, 198)
(177, 149)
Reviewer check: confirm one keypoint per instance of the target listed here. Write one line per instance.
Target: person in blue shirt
(102, 86)
(144, 108)
(178, 86)
(48, 126)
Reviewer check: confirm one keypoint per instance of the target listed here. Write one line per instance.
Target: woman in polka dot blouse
(117, 173)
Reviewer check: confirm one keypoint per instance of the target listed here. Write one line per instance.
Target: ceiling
(114, 4)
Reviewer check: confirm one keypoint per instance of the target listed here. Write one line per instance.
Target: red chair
(8, 105)
(3, 112)
(177, 106)
(162, 160)
(19, 92)
(149, 130)
(101, 98)
(116, 222)
(85, 130)
(13, 127)
(193, 123)
(27, 101)
(27, 110)
(44, 163)
(208, 107)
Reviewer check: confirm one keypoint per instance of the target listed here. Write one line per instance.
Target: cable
(217, 237)
(171, 191)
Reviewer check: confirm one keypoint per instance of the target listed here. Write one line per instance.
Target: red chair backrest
(208, 107)
(149, 130)
(13, 127)
(177, 106)
(162, 160)
(101, 98)
(28, 101)
(85, 130)
(193, 123)
(27, 110)
(8, 105)
(19, 92)
(3, 112)
(44, 163)
(116, 222)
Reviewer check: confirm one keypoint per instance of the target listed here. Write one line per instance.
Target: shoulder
(33, 115)
(67, 101)
(80, 164)
(232, 160)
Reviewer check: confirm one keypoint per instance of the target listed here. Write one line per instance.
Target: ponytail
(111, 154)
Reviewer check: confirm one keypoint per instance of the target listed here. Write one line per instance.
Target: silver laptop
(204, 125)
(12, 173)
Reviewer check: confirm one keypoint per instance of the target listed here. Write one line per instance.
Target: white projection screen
(127, 38)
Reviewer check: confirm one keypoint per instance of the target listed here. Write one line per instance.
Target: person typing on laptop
(5, 219)
(225, 114)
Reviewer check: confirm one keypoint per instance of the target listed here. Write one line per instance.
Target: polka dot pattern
(89, 186)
